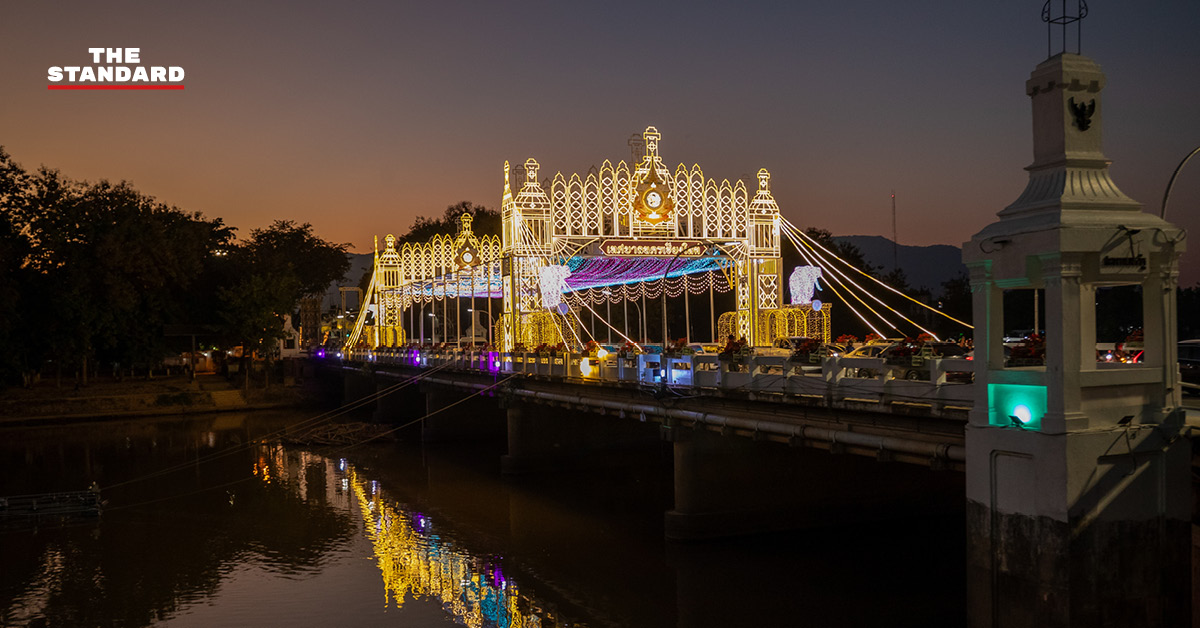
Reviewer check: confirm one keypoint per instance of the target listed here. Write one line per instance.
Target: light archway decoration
(620, 231)
(417, 273)
(619, 225)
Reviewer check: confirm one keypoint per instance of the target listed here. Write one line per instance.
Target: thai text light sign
(651, 248)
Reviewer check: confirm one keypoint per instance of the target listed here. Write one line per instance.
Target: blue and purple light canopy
(586, 272)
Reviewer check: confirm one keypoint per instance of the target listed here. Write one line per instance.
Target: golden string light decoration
(643, 209)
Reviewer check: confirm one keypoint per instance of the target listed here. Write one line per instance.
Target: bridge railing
(944, 385)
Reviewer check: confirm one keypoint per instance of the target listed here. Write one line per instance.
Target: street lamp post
(1162, 213)
(608, 313)
(641, 321)
(667, 270)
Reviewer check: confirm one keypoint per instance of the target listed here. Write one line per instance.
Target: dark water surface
(207, 526)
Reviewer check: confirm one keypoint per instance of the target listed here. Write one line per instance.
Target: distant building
(288, 346)
(310, 321)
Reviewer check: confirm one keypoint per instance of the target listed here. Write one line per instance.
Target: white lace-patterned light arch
(611, 212)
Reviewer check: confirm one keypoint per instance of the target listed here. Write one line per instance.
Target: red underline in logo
(114, 87)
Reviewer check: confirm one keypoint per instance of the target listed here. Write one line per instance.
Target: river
(212, 521)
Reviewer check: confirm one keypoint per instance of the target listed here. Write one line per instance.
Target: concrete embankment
(47, 403)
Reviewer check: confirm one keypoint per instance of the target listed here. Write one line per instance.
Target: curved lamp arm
(1162, 213)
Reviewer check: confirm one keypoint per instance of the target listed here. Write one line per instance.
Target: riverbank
(46, 403)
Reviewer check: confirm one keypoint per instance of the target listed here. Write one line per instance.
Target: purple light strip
(608, 271)
(586, 273)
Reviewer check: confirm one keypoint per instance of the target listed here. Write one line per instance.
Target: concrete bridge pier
(728, 485)
(1079, 529)
(543, 438)
(356, 387)
(397, 403)
(453, 415)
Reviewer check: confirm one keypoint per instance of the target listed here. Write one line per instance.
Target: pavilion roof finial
(651, 136)
(1062, 20)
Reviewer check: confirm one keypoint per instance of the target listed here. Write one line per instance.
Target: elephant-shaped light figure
(553, 281)
(803, 283)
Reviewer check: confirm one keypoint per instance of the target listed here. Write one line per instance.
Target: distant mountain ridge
(927, 266)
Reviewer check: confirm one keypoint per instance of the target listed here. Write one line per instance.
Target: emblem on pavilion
(652, 200)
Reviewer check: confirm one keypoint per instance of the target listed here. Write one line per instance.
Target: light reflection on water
(263, 534)
(272, 535)
(415, 561)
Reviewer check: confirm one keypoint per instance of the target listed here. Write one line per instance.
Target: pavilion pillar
(1078, 473)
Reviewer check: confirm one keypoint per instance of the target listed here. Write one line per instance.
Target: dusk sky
(358, 117)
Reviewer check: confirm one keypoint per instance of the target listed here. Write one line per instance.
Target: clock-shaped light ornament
(653, 205)
(467, 257)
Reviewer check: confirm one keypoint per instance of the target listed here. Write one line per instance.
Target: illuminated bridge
(579, 255)
(1074, 476)
(752, 422)
(574, 260)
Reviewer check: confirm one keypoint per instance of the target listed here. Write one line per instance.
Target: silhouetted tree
(268, 275)
(955, 301)
(107, 265)
(96, 271)
(844, 321)
(486, 222)
(848, 252)
(15, 247)
(897, 279)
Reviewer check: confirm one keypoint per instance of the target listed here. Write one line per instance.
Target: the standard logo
(124, 71)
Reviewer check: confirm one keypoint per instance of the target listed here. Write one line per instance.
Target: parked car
(834, 349)
(869, 351)
(1015, 337)
(872, 350)
(915, 355)
(781, 346)
(788, 345)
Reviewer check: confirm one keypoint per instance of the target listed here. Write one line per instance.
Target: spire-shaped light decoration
(652, 201)
(764, 203)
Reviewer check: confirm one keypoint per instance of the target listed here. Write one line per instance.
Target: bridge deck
(826, 406)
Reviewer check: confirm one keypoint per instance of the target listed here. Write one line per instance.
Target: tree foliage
(486, 222)
(97, 270)
(955, 301)
(844, 250)
(269, 273)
